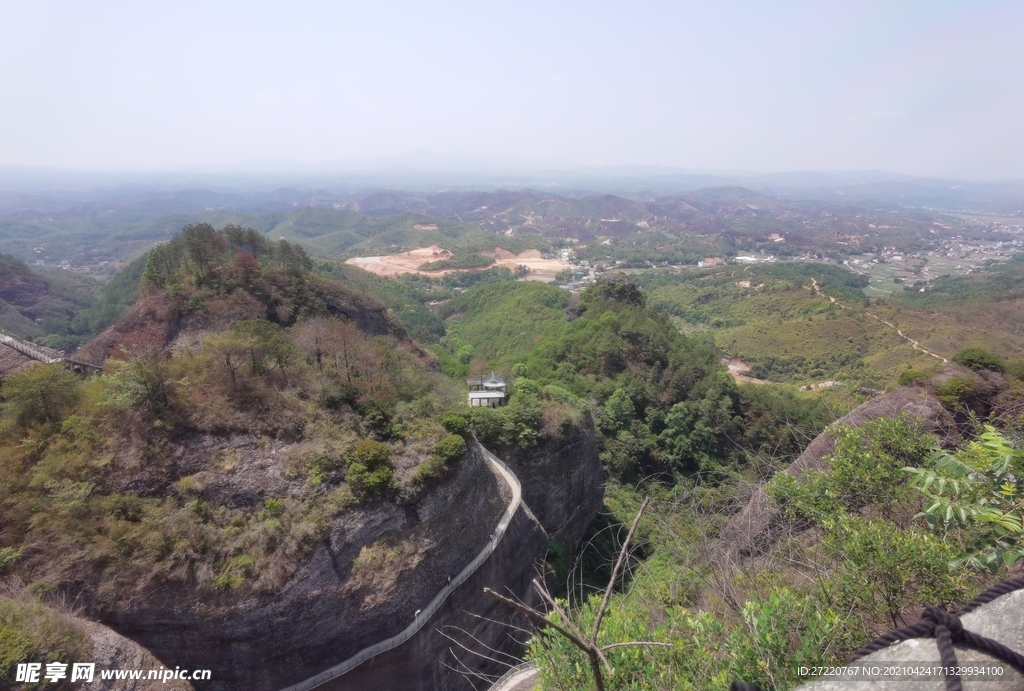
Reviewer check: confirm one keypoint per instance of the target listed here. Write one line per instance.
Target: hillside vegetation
(780, 319)
(245, 403)
(252, 393)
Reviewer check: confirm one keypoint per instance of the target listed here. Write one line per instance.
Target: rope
(948, 631)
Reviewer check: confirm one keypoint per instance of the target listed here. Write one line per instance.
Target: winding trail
(423, 616)
(899, 332)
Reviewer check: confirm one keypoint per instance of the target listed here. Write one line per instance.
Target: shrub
(979, 359)
(371, 476)
(324, 467)
(955, 391)
(450, 450)
(909, 376)
(39, 394)
(865, 469)
(32, 632)
(887, 570)
(455, 423)
(978, 492)
(371, 454)
(371, 484)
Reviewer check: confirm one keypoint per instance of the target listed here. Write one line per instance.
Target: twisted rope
(948, 631)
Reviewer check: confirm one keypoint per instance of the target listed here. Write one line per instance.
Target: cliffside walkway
(520, 678)
(424, 615)
(39, 353)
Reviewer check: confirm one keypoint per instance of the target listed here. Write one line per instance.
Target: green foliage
(617, 288)
(765, 645)
(32, 632)
(468, 261)
(909, 376)
(866, 468)
(451, 449)
(979, 493)
(564, 276)
(372, 454)
(456, 423)
(955, 391)
(369, 484)
(406, 295)
(371, 475)
(502, 320)
(39, 394)
(889, 570)
(979, 359)
(446, 454)
(618, 411)
(517, 424)
(141, 382)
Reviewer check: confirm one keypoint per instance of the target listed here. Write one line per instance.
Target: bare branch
(606, 648)
(615, 572)
(592, 652)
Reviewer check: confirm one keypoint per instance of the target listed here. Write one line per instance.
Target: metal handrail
(30, 349)
(512, 671)
(427, 612)
(48, 356)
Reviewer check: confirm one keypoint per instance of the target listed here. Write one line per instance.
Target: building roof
(489, 381)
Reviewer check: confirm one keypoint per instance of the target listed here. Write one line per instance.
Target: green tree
(979, 493)
(230, 349)
(142, 381)
(979, 359)
(268, 347)
(39, 394)
(201, 242)
(619, 411)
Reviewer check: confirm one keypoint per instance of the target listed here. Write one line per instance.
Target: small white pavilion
(487, 391)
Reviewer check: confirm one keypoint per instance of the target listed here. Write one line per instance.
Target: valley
(275, 436)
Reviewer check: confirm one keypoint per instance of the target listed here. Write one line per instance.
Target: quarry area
(392, 265)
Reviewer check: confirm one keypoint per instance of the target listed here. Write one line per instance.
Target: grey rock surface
(113, 651)
(1001, 620)
(759, 524)
(563, 482)
(330, 608)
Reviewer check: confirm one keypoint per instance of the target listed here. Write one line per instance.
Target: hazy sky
(933, 88)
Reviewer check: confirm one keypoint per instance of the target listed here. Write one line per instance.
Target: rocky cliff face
(759, 524)
(112, 651)
(470, 631)
(363, 583)
(563, 482)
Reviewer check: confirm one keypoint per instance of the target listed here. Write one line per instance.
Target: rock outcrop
(1001, 620)
(759, 524)
(363, 583)
(113, 651)
(470, 631)
(563, 482)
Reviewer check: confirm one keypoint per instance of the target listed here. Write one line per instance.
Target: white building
(487, 391)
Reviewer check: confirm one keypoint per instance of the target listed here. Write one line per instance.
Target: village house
(488, 390)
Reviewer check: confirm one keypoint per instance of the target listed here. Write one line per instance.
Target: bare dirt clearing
(409, 262)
